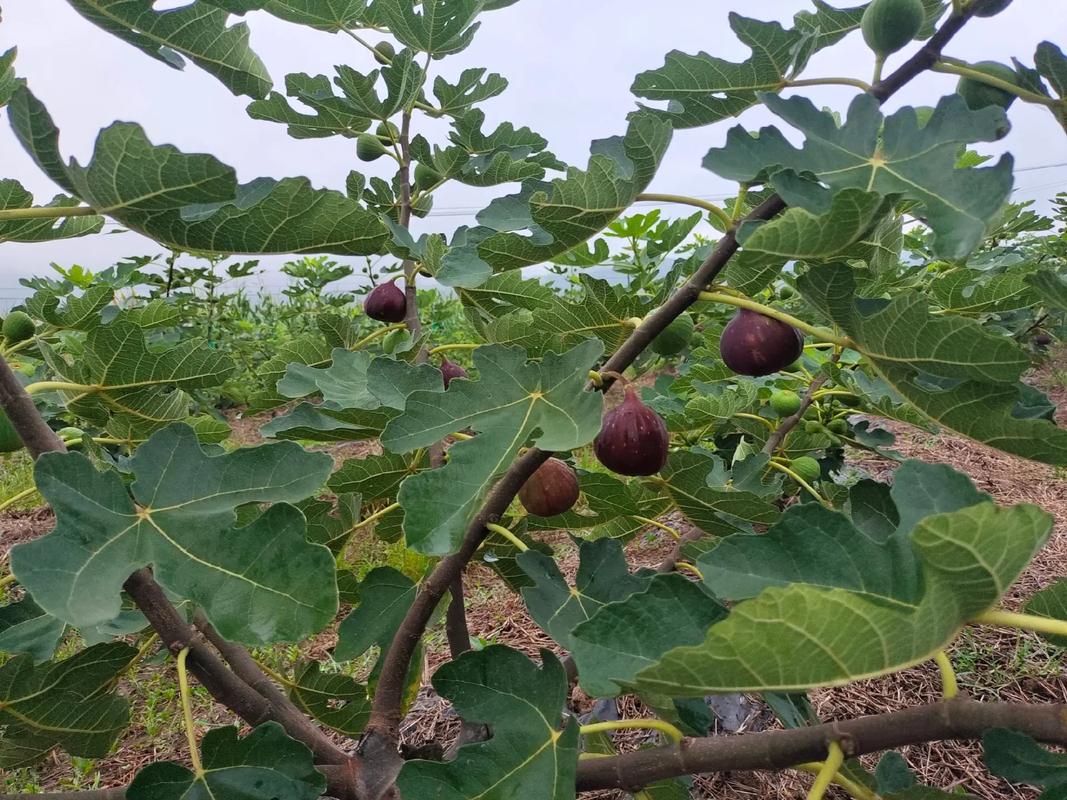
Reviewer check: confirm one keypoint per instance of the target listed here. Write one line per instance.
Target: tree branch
(280, 707)
(28, 424)
(223, 683)
(958, 719)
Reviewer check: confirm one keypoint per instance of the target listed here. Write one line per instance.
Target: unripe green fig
(987, 8)
(425, 177)
(369, 147)
(384, 52)
(551, 490)
(889, 25)
(813, 427)
(387, 130)
(784, 402)
(675, 337)
(786, 292)
(18, 327)
(979, 95)
(838, 426)
(9, 439)
(807, 468)
(71, 436)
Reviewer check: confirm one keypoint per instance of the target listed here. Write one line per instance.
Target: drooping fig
(551, 490)
(633, 439)
(386, 303)
(384, 52)
(369, 147)
(807, 468)
(754, 344)
(977, 94)
(888, 25)
(450, 371)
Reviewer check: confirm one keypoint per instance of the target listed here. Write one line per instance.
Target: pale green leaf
(385, 596)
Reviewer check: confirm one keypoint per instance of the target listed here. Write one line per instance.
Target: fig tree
(369, 147)
(384, 52)
(754, 344)
(675, 337)
(18, 327)
(633, 438)
(450, 371)
(889, 25)
(784, 402)
(551, 490)
(386, 303)
(979, 95)
(807, 468)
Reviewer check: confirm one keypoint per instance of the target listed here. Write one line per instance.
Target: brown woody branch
(774, 441)
(28, 424)
(958, 719)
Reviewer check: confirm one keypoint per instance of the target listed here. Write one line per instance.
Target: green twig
(622, 724)
(187, 713)
(657, 524)
(685, 200)
(781, 316)
(507, 534)
(1023, 622)
(834, 759)
(949, 686)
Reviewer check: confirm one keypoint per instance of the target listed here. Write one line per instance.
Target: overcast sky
(570, 64)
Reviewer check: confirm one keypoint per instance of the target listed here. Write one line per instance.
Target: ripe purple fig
(450, 371)
(633, 439)
(551, 490)
(386, 303)
(755, 344)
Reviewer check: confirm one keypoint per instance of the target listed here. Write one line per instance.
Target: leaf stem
(657, 524)
(20, 495)
(739, 203)
(831, 81)
(685, 200)
(686, 565)
(377, 515)
(857, 790)
(187, 713)
(949, 686)
(49, 386)
(966, 71)
(460, 436)
(834, 759)
(507, 534)
(444, 348)
(624, 724)
(767, 311)
(46, 212)
(879, 64)
(756, 417)
(1023, 622)
(595, 379)
(801, 481)
(7, 580)
(377, 334)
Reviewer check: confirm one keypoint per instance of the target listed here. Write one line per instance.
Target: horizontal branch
(958, 719)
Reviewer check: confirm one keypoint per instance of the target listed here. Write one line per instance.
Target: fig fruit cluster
(756, 345)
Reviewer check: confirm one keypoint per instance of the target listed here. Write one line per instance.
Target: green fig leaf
(1016, 757)
(264, 764)
(890, 156)
(197, 31)
(386, 595)
(337, 701)
(1051, 602)
(259, 583)
(13, 195)
(720, 509)
(533, 752)
(512, 402)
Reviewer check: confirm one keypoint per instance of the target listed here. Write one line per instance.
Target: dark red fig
(551, 490)
(386, 303)
(451, 371)
(633, 439)
(754, 344)
(1042, 340)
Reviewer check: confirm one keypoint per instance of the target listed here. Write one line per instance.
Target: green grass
(16, 475)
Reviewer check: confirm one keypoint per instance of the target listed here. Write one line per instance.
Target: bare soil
(990, 664)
